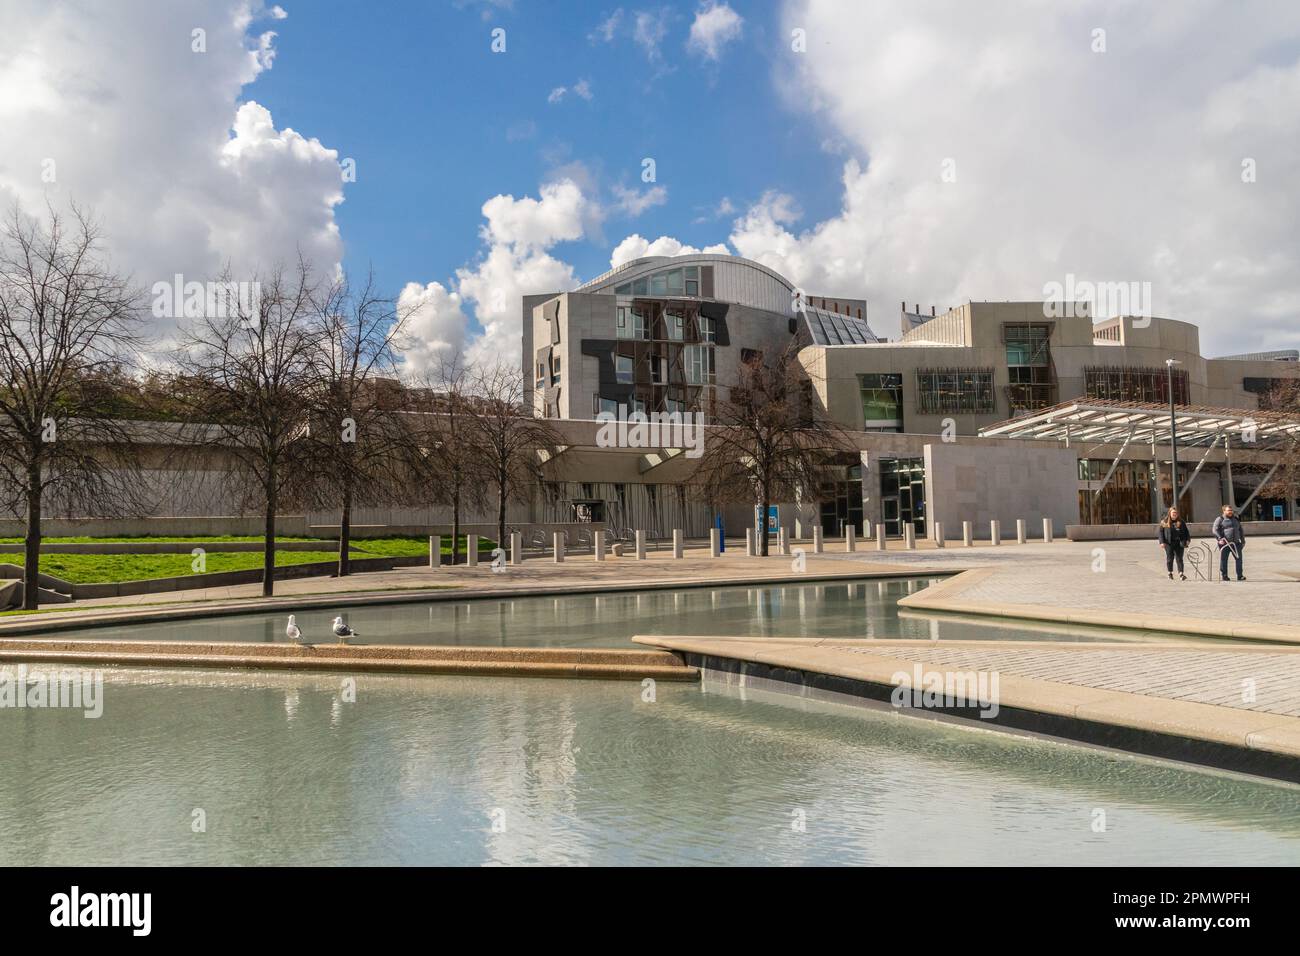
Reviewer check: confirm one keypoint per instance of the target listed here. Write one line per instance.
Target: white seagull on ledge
(292, 632)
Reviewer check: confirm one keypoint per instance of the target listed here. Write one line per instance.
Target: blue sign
(773, 519)
(1277, 512)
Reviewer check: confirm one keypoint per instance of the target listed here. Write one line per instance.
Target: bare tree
(244, 384)
(353, 440)
(506, 443)
(770, 441)
(440, 457)
(68, 326)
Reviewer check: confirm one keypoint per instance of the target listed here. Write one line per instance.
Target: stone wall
(978, 483)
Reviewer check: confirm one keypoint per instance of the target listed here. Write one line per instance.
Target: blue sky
(438, 123)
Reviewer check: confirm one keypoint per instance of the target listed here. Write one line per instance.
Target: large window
(941, 391)
(675, 322)
(685, 280)
(623, 369)
(699, 364)
(632, 323)
(708, 329)
(1149, 385)
(1032, 384)
(882, 401)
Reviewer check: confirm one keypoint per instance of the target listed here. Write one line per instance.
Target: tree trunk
(455, 519)
(268, 544)
(763, 504)
(345, 531)
(501, 511)
(32, 542)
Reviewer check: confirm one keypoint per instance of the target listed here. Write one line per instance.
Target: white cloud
(607, 29)
(436, 324)
(1117, 166)
(633, 203)
(635, 247)
(715, 25)
(649, 29)
(580, 89)
(152, 138)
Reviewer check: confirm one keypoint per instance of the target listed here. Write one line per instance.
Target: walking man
(1230, 534)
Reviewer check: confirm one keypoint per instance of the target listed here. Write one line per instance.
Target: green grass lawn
(108, 568)
(112, 568)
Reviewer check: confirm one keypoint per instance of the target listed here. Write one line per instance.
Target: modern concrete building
(667, 334)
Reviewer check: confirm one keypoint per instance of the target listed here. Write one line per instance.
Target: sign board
(1277, 512)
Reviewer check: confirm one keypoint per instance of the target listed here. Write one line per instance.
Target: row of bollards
(751, 542)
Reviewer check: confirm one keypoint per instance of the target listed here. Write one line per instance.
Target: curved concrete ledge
(946, 596)
(1216, 736)
(386, 658)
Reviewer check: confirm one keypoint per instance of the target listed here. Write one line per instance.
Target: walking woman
(1173, 537)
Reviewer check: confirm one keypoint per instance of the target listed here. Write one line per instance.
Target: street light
(1173, 432)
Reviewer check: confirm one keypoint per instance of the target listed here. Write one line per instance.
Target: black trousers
(1173, 554)
(1223, 558)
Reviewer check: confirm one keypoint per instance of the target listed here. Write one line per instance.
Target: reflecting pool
(190, 767)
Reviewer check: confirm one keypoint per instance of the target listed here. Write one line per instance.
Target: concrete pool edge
(76, 620)
(1222, 738)
(942, 597)
(582, 663)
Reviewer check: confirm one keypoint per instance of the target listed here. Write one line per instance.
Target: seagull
(292, 632)
(342, 631)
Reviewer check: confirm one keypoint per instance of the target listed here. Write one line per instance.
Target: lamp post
(1173, 432)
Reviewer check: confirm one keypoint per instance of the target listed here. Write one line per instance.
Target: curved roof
(636, 267)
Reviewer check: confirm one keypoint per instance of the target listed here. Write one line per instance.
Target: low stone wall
(1198, 529)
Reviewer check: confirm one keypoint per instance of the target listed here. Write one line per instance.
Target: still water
(852, 609)
(285, 769)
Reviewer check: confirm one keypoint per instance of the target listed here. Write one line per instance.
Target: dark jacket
(1229, 529)
(1175, 536)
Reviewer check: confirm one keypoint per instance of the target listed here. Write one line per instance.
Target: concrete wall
(969, 482)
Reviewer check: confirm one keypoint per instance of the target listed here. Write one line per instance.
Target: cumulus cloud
(436, 325)
(1037, 156)
(715, 25)
(635, 246)
(122, 109)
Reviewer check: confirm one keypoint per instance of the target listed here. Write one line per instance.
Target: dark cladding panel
(706, 281)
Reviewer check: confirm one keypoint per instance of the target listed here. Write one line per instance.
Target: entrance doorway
(902, 495)
(841, 503)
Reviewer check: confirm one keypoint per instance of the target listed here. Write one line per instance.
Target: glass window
(659, 284)
(624, 289)
(555, 370)
(639, 287)
(621, 326)
(640, 322)
(606, 406)
(675, 282)
(707, 329)
(623, 369)
(692, 287)
(699, 364)
(882, 400)
(692, 272)
(676, 323)
(961, 390)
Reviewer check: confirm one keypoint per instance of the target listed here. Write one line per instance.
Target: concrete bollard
(850, 539)
(471, 550)
(640, 545)
(783, 541)
(715, 543)
(995, 531)
(817, 540)
(1020, 531)
(882, 543)
(516, 548)
(679, 545)
(751, 536)
(967, 534)
(866, 529)
(559, 547)
(909, 536)
(938, 535)
(435, 550)
(1047, 530)
(598, 545)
